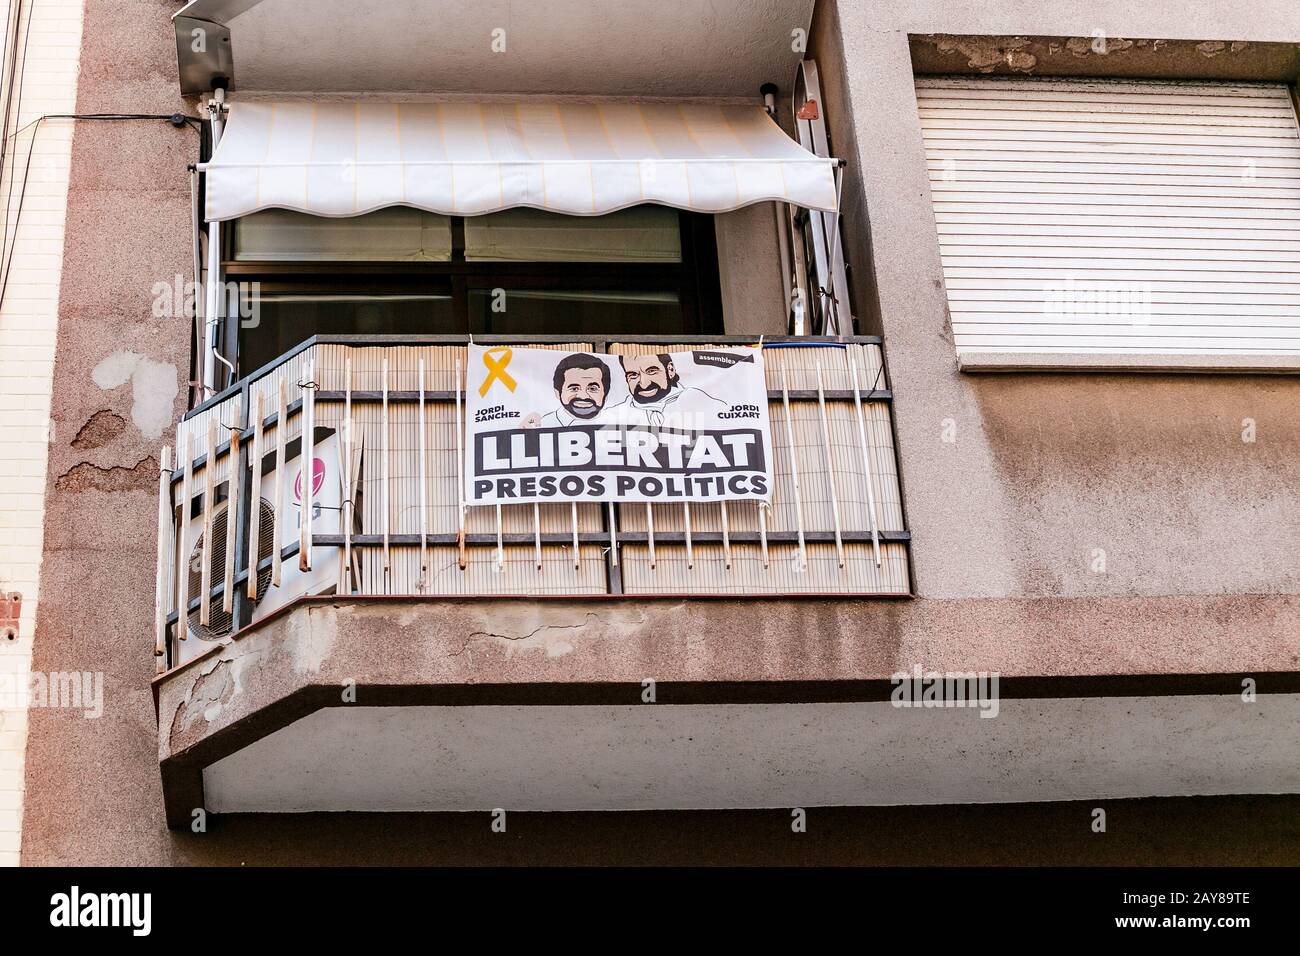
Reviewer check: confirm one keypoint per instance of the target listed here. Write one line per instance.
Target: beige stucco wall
(28, 323)
(1043, 471)
(749, 271)
(1044, 485)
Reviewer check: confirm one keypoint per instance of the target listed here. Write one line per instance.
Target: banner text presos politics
(606, 486)
(618, 463)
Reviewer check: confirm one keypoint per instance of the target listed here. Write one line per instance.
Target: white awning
(466, 159)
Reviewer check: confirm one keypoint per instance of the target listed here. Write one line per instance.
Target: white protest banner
(552, 426)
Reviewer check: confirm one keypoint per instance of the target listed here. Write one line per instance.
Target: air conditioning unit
(327, 506)
(294, 583)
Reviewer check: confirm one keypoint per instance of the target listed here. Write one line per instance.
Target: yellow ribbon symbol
(496, 370)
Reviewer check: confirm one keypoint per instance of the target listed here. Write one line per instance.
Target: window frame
(695, 279)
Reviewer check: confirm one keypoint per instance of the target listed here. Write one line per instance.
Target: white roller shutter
(1095, 217)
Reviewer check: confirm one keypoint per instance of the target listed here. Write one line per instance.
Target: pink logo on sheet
(317, 479)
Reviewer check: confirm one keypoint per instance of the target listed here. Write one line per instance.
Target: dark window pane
(535, 312)
(283, 321)
(640, 234)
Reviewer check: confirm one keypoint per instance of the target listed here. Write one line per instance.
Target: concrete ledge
(1094, 362)
(441, 652)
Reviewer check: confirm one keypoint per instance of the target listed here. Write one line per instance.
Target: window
(1095, 217)
(645, 270)
(640, 234)
(388, 235)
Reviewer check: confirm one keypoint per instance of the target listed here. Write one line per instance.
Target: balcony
(387, 532)
(835, 524)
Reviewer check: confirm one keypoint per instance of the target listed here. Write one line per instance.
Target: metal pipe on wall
(212, 290)
(196, 224)
(768, 92)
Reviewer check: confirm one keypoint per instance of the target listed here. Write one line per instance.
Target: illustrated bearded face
(583, 392)
(649, 378)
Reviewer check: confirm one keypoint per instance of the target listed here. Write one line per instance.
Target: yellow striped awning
(467, 159)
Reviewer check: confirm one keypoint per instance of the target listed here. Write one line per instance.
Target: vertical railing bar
(385, 476)
(794, 467)
(349, 509)
(763, 506)
(573, 510)
(255, 498)
(424, 496)
(460, 471)
(209, 493)
(183, 565)
(613, 573)
(537, 535)
(281, 430)
(867, 471)
(726, 536)
(650, 532)
(242, 607)
(613, 534)
(166, 535)
(307, 461)
(233, 483)
(830, 465)
(501, 548)
(686, 524)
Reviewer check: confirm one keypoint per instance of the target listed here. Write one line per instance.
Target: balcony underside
(425, 704)
(493, 46)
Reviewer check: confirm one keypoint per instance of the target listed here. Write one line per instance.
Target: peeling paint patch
(100, 429)
(987, 55)
(143, 476)
(1212, 48)
(154, 387)
(210, 692)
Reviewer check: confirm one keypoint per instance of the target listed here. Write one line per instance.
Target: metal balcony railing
(387, 519)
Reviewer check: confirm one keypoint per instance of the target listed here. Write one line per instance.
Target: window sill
(1146, 362)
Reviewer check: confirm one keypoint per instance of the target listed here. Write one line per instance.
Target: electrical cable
(21, 77)
(10, 49)
(176, 119)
